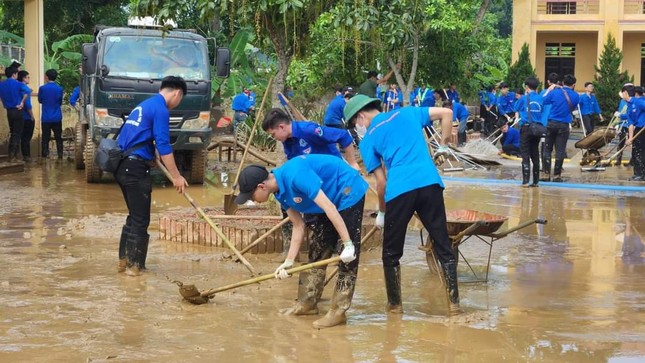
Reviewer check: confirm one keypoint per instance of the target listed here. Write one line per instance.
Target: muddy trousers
(622, 137)
(529, 149)
(14, 116)
(428, 203)
(557, 134)
(323, 243)
(461, 132)
(133, 176)
(25, 138)
(57, 128)
(638, 154)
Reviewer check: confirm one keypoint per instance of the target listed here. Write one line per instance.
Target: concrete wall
(632, 54)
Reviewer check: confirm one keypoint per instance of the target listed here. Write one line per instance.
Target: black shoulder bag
(109, 155)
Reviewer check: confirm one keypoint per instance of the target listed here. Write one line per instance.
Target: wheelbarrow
(592, 143)
(465, 224)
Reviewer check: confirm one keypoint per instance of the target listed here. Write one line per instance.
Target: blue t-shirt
(560, 109)
(636, 112)
(334, 113)
(300, 179)
(459, 112)
(76, 93)
(488, 99)
(453, 96)
(623, 109)
(25, 110)
(396, 139)
(589, 104)
(241, 103)
(511, 137)
(11, 92)
(536, 106)
(505, 103)
(390, 96)
(149, 121)
(425, 97)
(50, 95)
(310, 138)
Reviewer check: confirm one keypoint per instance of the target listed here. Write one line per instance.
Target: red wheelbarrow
(465, 224)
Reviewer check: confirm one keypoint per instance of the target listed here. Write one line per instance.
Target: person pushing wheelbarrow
(332, 194)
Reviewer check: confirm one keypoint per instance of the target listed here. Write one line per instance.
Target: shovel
(211, 223)
(229, 197)
(191, 294)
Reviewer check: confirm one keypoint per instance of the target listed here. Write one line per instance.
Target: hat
(249, 179)
(15, 63)
(356, 103)
(347, 89)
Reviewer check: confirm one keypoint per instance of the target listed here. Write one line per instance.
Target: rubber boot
(310, 288)
(135, 253)
(450, 276)
(393, 289)
(526, 175)
(557, 170)
(536, 178)
(125, 233)
(340, 302)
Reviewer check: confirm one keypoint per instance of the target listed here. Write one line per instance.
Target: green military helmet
(356, 103)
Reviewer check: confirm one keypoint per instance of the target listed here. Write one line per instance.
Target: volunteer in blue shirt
(50, 95)
(334, 113)
(529, 144)
(489, 101)
(73, 98)
(13, 95)
(393, 142)
(636, 122)
(589, 108)
(146, 130)
(563, 101)
(326, 186)
(459, 113)
(621, 115)
(505, 102)
(27, 118)
(393, 98)
(305, 137)
(241, 106)
(452, 93)
(422, 96)
(510, 140)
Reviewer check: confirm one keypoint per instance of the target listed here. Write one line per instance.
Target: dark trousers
(25, 138)
(511, 149)
(557, 134)
(638, 154)
(133, 176)
(589, 122)
(529, 149)
(324, 240)
(622, 137)
(490, 121)
(48, 127)
(14, 116)
(428, 203)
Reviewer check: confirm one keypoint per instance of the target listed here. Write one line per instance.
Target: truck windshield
(154, 58)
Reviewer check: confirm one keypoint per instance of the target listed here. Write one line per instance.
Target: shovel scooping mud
(191, 294)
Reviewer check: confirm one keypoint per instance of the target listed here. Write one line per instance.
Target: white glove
(380, 220)
(348, 254)
(281, 272)
(617, 114)
(441, 150)
(576, 113)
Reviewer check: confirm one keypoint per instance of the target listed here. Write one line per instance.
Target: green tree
(608, 78)
(520, 70)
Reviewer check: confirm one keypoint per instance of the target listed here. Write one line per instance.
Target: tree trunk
(409, 87)
(480, 16)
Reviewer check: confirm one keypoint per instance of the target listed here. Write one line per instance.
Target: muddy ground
(569, 291)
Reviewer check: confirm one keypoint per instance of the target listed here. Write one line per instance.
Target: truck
(124, 66)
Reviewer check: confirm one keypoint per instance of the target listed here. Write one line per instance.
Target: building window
(561, 7)
(560, 58)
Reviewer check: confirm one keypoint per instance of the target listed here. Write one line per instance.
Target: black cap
(249, 179)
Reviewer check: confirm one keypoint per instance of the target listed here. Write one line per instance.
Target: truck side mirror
(90, 52)
(223, 62)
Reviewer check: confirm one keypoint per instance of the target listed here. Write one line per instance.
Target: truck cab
(123, 67)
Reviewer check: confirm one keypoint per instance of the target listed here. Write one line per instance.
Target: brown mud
(568, 291)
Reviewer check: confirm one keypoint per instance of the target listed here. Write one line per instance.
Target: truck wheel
(197, 166)
(92, 171)
(79, 143)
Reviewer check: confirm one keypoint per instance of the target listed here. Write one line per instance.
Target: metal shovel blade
(192, 295)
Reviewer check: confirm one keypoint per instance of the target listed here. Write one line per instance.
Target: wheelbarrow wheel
(590, 157)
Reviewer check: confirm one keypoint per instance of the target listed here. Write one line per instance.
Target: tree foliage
(608, 78)
(520, 70)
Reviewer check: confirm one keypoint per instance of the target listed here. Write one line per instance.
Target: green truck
(123, 67)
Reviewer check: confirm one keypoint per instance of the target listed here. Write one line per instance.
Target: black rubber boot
(125, 233)
(450, 275)
(310, 288)
(526, 175)
(341, 301)
(135, 253)
(557, 168)
(393, 289)
(536, 178)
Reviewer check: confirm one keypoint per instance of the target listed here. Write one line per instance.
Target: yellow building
(566, 36)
